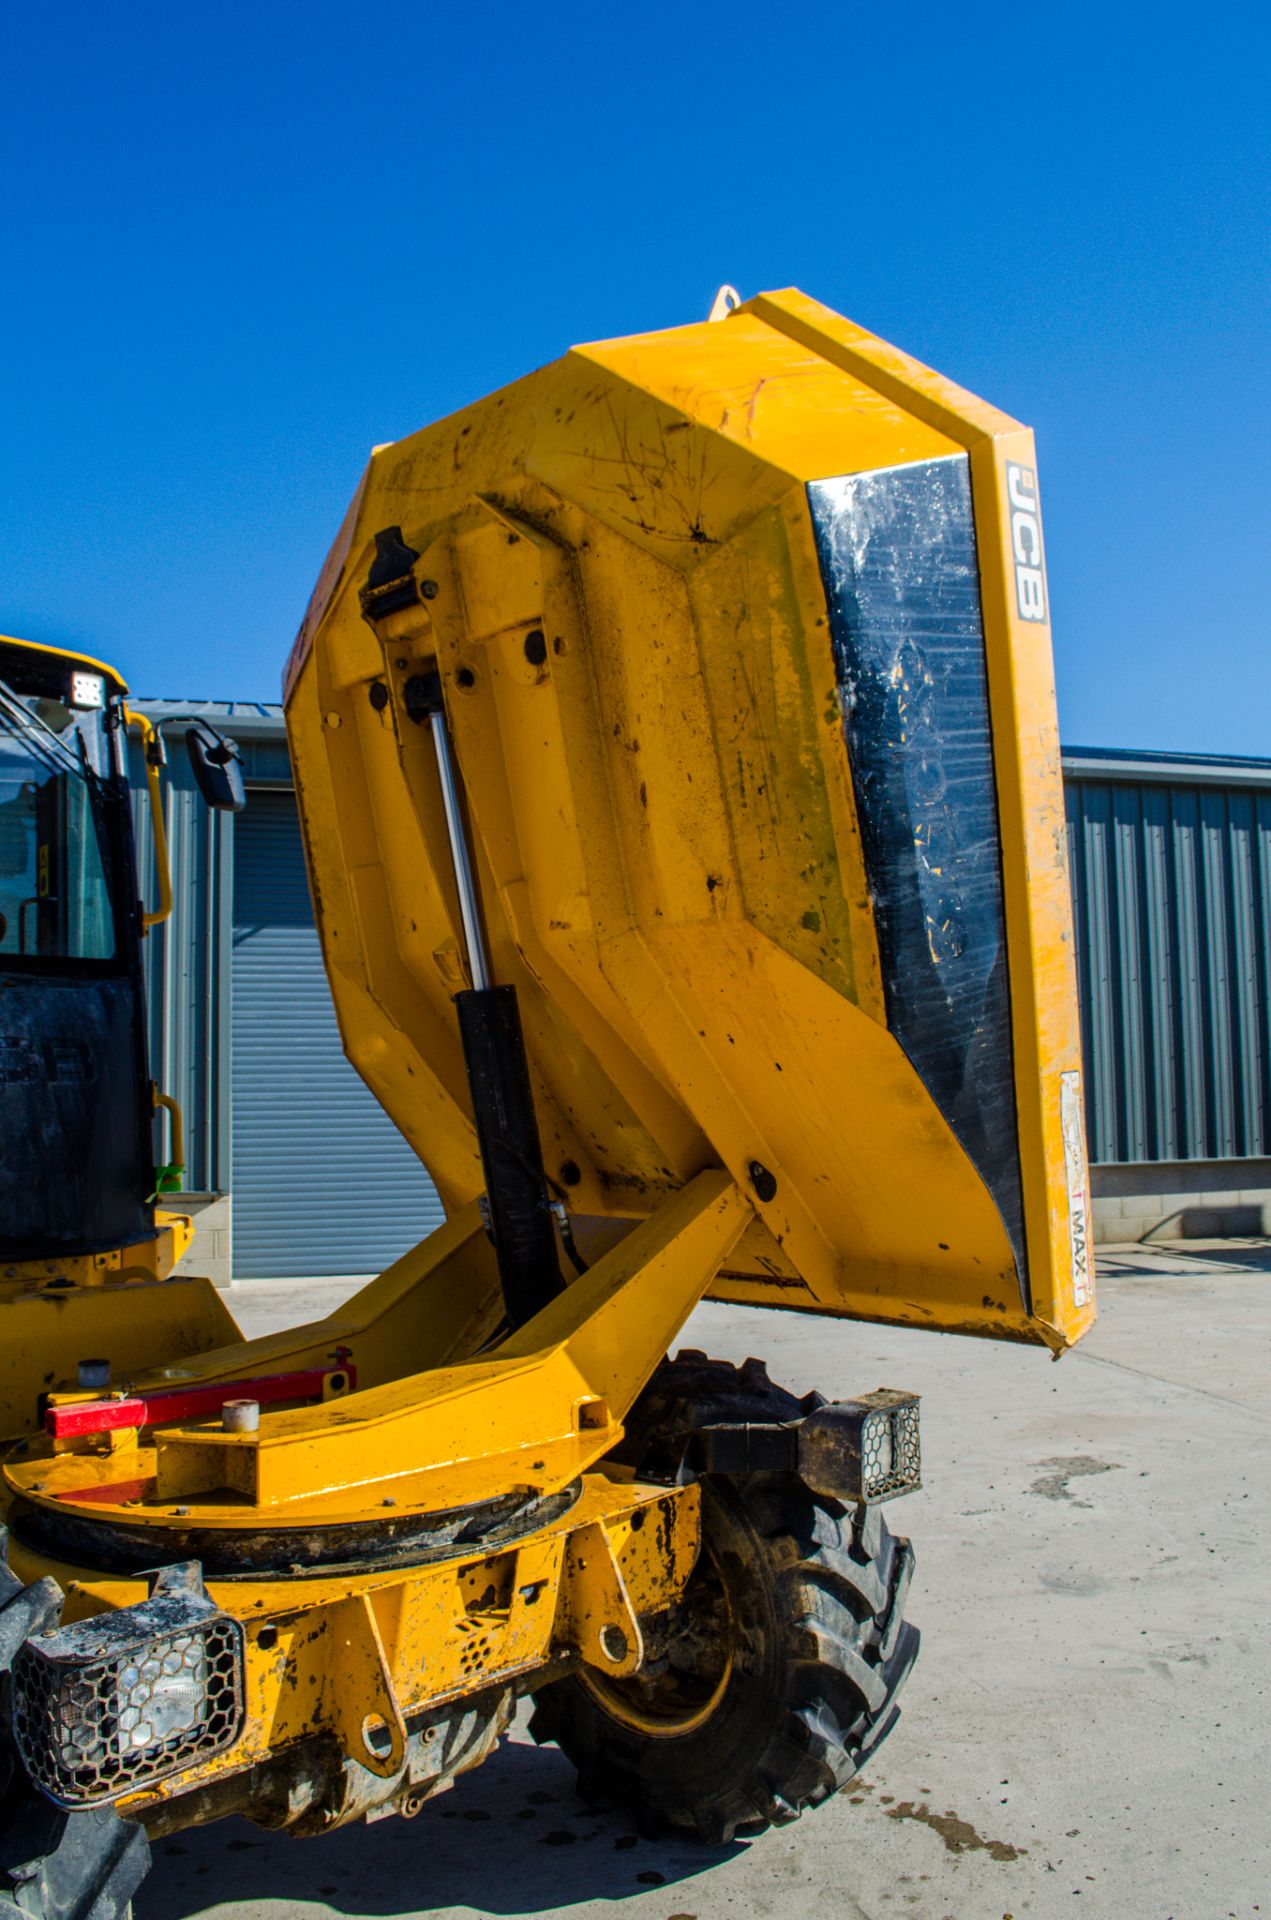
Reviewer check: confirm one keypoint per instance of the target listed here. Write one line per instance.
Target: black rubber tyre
(55, 1865)
(780, 1669)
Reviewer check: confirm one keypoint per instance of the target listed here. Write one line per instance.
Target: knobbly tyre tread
(54, 1865)
(827, 1648)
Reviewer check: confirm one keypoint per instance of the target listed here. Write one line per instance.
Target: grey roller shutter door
(322, 1181)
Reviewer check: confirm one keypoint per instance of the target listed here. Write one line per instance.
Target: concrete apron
(1086, 1731)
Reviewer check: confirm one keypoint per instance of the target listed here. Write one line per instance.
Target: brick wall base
(1182, 1200)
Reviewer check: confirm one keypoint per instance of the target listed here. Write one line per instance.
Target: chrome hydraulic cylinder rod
(469, 904)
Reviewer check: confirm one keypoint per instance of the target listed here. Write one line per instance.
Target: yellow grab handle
(171, 1177)
(163, 868)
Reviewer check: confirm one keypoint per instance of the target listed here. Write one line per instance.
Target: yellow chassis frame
(362, 1656)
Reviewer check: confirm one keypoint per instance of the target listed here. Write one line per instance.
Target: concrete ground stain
(959, 1835)
(1054, 1486)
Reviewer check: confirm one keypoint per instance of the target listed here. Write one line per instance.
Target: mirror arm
(152, 747)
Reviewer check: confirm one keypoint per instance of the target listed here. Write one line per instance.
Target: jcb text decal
(1026, 542)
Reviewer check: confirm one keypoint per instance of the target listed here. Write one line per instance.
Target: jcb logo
(1026, 542)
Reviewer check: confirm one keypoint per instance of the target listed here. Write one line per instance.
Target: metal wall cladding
(184, 959)
(323, 1183)
(241, 1029)
(187, 957)
(1171, 875)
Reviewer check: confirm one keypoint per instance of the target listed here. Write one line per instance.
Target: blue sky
(241, 244)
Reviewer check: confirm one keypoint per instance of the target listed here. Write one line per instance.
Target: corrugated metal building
(1170, 856)
(295, 1169)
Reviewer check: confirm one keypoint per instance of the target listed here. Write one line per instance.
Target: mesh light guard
(111, 1704)
(865, 1450)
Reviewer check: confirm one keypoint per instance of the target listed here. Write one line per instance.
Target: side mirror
(216, 768)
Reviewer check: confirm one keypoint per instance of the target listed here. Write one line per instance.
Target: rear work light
(114, 1703)
(866, 1449)
(858, 1451)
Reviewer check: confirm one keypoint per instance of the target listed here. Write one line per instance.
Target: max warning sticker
(1072, 1121)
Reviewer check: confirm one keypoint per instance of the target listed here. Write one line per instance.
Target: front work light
(111, 1704)
(865, 1449)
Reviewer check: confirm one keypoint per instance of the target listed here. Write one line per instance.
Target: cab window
(54, 893)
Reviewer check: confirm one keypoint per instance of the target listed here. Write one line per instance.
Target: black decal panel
(76, 1165)
(898, 558)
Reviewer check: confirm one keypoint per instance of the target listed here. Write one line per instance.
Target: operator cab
(77, 1173)
(77, 1176)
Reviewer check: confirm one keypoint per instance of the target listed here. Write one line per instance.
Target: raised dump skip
(742, 638)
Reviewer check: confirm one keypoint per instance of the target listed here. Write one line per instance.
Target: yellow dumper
(674, 740)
